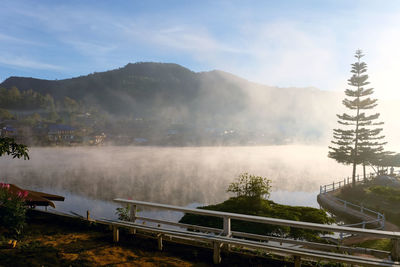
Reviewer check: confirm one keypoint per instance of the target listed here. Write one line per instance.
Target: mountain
(216, 102)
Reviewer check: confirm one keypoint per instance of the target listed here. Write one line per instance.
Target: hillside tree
(359, 141)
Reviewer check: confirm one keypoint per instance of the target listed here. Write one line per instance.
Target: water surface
(90, 177)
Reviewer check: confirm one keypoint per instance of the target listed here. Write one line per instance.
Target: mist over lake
(173, 175)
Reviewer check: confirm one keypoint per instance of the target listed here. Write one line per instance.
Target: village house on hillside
(14, 129)
(60, 133)
(44, 133)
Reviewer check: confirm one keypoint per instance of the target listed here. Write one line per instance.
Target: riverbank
(51, 240)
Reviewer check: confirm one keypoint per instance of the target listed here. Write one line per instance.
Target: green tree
(358, 142)
(10, 147)
(250, 186)
(5, 114)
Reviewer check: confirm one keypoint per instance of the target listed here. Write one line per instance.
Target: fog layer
(174, 175)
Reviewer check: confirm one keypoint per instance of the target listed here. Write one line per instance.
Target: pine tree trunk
(364, 170)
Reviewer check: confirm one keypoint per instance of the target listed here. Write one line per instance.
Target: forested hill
(213, 100)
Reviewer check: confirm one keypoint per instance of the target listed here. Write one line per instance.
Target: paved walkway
(329, 201)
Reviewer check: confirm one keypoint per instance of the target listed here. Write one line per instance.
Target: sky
(278, 43)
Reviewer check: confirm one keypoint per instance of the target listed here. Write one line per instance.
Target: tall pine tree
(359, 140)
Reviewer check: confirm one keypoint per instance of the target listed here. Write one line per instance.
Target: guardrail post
(333, 186)
(395, 253)
(345, 204)
(132, 214)
(340, 184)
(325, 188)
(217, 253)
(227, 227)
(88, 215)
(363, 224)
(159, 242)
(297, 261)
(362, 209)
(115, 234)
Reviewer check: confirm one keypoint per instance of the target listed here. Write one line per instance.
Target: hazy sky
(279, 43)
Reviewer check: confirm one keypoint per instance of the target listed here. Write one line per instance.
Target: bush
(12, 209)
(123, 213)
(251, 199)
(250, 186)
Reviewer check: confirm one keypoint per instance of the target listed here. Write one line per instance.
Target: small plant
(124, 213)
(247, 185)
(12, 209)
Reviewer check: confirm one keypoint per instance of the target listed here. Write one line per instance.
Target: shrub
(251, 199)
(123, 213)
(248, 185)
(12, 209)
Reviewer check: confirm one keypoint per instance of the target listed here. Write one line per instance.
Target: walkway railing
(334, 186)
(345, 182)
(228, 237)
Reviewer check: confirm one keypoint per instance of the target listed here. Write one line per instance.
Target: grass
(379, 198)
(379, 244)
(266, 208)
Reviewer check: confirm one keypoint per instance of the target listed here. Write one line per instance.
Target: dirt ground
(49, 241)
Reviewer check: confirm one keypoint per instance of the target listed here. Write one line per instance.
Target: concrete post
(217, 253)
(395, 253)
(159, 242)
(297, 261)
(133, 213)
(115, 234)
(227, 227)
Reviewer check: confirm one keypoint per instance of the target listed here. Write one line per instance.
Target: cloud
(90, 48)
(22, 62)
(16, 40)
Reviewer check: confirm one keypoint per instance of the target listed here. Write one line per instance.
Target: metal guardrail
(228, 236)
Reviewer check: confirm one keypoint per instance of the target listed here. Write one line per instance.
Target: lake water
(90, 177)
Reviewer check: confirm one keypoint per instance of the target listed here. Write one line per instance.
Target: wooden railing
(229, 237)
